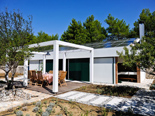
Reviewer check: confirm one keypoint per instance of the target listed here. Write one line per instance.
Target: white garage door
(103, 70)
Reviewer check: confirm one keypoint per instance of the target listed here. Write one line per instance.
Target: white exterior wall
(142, 76)
(34, 65)
(103, 70)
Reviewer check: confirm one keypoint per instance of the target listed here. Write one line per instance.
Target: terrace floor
(48, 89)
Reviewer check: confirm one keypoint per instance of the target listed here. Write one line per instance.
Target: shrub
(152, 87)
(45, 114)
(59, 115)
(15, 111)
(37, 114)
(49, 110)
(10, 109)
(27, 114)
(35, 109)
(38, 104)
(24, 108)
(40, 111)
(51, 105)
(19, 113)
(45, 102)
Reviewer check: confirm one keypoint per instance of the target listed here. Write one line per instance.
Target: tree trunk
(6, 78)
(13, 72)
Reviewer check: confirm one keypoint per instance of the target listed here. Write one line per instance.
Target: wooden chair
(40, 78)
(51, 72)
(34, 77)
(59, 73)
(29, 74)
(61, 80)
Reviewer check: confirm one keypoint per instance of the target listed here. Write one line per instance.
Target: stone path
(139, 104)
(4, 106)
(145, 84)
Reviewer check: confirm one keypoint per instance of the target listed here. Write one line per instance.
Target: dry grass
(120, 91)
(66, 108)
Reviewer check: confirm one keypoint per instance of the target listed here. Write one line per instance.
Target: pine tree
(95, 32)
(117, 27)
(75, 33)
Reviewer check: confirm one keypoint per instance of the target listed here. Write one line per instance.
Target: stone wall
(150, 76)
(20, 69)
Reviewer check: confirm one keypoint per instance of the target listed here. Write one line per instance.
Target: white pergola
(56, 44)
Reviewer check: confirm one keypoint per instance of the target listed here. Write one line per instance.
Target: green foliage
(75, 33)
(149, 21)
(143, 55)
(49, 110)
(95, 32)
(45, 102)
(42, 37)
(19, 113)
(51, 105)
(37, 114)
(27, 114)
(35, 109)
(38, 104)
(90, 31)
(15, 34)
(117, 27)
(45, 114)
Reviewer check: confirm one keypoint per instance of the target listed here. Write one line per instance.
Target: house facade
(107, 66)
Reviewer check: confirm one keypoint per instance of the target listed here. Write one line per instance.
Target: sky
(54, 16)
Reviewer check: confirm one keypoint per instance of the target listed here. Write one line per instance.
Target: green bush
(27, 114)
(51, 105)
(49, 110)
(35, 109)
(38, 104)
(19, 113)
(45, 114)
(152, 87)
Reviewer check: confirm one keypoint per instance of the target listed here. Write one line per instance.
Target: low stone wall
(150, 76)
(20, 69)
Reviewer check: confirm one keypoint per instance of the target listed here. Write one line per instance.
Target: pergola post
(64, 62)
(25, 82)
(91, 66)
(44, 63)
(55, 66)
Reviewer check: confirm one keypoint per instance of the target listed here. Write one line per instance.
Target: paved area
(145, 84)
(48, 89)
(38, 96)
(139, 104)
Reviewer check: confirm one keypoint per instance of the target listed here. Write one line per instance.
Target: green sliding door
(79, 69)
(49, 65)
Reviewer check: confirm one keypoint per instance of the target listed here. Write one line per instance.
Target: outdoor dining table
(48, 77)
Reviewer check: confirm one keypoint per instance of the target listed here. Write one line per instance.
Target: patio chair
(61, 80)
(60, 71)
(29, 74)
(34, 77)
(40, 78)
(51, 72)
